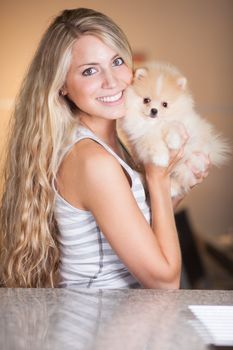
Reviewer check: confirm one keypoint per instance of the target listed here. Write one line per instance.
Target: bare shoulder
(87, 168)
(93, 160)
(88, 150)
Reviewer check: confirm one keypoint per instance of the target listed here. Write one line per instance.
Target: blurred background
(194, 35)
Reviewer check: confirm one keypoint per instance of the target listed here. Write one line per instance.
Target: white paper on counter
(217, 322)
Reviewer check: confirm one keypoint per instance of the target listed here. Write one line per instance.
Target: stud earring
(62, 92)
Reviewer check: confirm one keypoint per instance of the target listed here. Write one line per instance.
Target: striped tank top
(87, 259)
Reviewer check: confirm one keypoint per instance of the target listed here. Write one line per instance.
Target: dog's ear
(140, 73)
(182, 83)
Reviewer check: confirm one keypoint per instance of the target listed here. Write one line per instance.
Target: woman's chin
(114, 113)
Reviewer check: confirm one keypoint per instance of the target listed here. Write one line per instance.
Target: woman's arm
(94, 177)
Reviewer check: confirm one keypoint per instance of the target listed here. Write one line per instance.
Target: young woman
(74, 210)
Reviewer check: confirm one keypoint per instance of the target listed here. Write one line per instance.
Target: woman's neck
(103, 128)
(106, 130)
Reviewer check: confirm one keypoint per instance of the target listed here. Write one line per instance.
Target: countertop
(137, 319)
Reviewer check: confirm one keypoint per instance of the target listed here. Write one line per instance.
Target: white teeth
(110, 98)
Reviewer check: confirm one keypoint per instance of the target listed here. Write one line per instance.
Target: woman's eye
(165, 104)
(118, 61)
(89, 71)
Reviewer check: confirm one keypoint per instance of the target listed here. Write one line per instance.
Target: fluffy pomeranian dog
(159, 109)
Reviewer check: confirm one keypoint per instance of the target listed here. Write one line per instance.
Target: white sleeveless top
(87, 259)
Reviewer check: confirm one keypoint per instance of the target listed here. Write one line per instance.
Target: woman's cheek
(129, 75)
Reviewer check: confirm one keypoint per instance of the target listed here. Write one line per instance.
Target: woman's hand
(198, 175)
(152, 170)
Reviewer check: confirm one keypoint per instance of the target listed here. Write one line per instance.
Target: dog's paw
(161, 160)
(173, 140)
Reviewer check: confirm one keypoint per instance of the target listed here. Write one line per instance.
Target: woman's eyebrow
(95, 63)
(88, 64)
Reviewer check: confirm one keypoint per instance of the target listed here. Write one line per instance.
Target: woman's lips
(111, 99)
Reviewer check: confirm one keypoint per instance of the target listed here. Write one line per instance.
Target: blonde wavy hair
(42, 125)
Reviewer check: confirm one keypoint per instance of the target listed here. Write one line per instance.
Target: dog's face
(160, 92)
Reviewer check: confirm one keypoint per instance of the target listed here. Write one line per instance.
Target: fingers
(185, 136)
(182, 131)
(201, 172)
(204, 159)
(175, 157)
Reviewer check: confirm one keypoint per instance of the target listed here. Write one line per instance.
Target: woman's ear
(63, 91)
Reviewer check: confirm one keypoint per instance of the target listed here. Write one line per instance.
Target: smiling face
(97, 79)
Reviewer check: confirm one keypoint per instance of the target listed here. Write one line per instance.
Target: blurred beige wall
(195, 35)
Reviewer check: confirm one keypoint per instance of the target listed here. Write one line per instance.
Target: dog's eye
(165, 104)
(146, 100)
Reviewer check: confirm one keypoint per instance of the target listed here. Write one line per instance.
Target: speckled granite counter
(58, 319)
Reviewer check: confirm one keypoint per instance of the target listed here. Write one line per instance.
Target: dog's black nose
(153, 112)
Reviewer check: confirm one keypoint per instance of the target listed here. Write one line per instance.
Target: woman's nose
(109, 80)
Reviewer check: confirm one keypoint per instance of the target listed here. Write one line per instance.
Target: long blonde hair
(43, 123)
